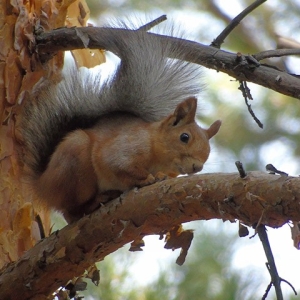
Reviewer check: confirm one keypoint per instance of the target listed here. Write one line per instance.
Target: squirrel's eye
(184, 137)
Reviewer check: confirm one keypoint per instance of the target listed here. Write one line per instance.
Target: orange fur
(120, 152)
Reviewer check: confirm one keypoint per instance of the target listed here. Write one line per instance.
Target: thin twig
(153, 23)
(234, 23)
(276, 53)
(289, 285)
(258, 223)
(264, 297)
(261, 230)
(247, 95)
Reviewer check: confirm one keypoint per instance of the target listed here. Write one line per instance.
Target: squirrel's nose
(197, 167)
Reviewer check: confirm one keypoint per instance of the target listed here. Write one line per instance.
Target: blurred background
(220, 265)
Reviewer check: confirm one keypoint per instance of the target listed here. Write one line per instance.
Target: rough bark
(258, 198)
(19, 73)
(19, 227)
(240, 67)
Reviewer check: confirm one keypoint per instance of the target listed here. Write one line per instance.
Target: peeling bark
(258, 198)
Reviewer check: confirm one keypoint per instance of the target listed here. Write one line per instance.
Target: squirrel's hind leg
(69, 180)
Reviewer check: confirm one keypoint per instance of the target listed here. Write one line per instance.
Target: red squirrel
(84, 140)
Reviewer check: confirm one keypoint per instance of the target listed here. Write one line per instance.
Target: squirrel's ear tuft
(213, 129)
(185, 112)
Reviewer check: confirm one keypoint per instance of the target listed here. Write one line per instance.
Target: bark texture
(243, 68)
(258, 198)
(20, 73)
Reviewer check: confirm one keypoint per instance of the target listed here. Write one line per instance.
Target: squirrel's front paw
(149, 180)
(160, 176)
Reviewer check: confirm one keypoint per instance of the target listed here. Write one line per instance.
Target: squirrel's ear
(184, 113)
(213, 129)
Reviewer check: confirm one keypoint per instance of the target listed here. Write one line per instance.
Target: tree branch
(47, 44)
(272, 199)
(275, 279)
(247, 95)
(276, 53)
(153, 23)
(235, 22)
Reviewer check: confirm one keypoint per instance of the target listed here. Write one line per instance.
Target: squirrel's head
(185, 145)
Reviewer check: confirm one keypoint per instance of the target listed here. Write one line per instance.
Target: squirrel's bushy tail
(146, 83)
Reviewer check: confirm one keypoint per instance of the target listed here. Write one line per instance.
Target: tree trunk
(21, 70)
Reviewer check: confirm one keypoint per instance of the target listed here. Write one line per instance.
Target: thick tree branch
(272, 200)
(100, 38)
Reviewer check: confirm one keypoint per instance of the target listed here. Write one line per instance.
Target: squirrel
(85, 143)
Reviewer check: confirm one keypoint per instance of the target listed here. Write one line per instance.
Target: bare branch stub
(241, 169)
(153, 23)
(234, 23)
